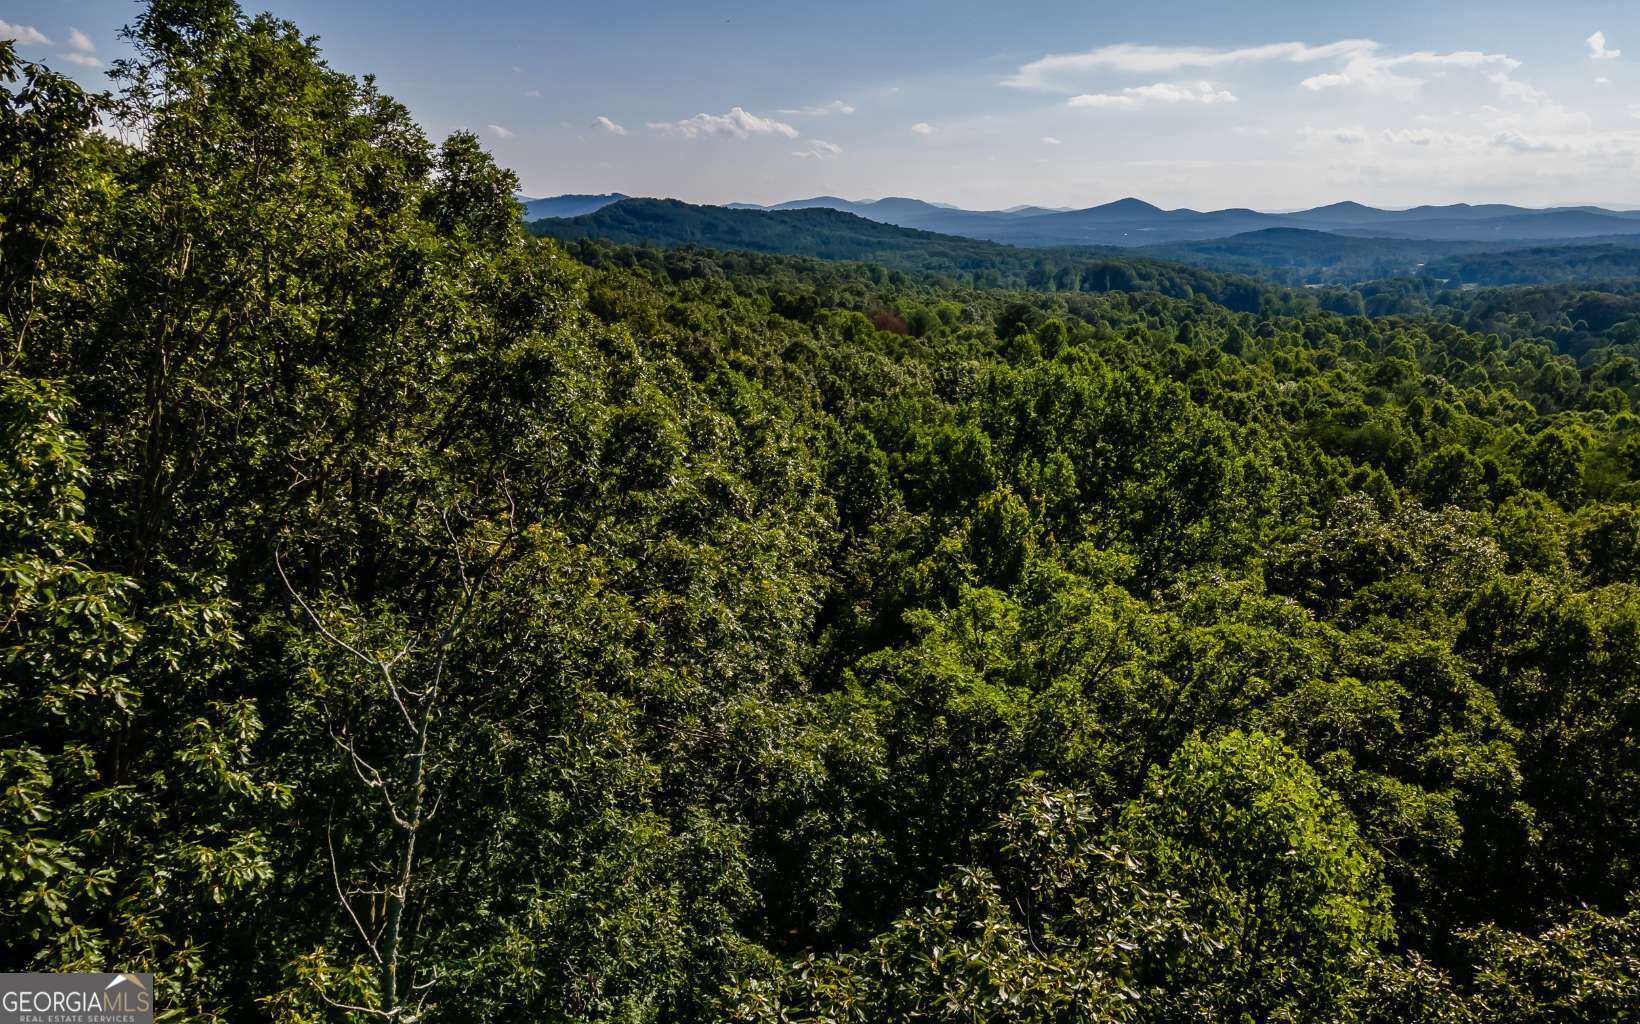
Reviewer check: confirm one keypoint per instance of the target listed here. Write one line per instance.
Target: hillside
(1302, 256)
(1133, 222)
(1313, 256)
(1603, 261)
(817, 231)
(1534, 225)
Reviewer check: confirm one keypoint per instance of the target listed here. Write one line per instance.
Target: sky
(1271, 105)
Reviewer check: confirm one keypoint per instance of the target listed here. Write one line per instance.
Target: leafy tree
(1278, 874)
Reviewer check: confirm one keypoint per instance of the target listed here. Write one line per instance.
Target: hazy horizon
(1619, 207)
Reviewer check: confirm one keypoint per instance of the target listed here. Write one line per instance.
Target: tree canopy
(407, 618)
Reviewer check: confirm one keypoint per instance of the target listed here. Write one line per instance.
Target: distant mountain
(915, 213)
(1348, 243)
(566, 206)
(835, 234)
(1345, 214)
(1283, 255)
(1125, 222)
(1134, 222)
(1122, 211)
(1528, 224)
(1032, 211)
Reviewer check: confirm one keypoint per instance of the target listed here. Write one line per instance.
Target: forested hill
(1290, 256)
(828, 234)
(405, 619)
(835, 235)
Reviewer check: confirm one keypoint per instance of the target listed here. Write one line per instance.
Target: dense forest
(406, 618)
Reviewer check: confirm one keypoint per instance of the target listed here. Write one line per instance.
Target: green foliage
(1583, 969)
(1060, 927)
(1276, 872)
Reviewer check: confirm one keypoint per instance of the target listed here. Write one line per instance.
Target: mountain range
(1283, 255)
(1133, 222)
(836, 235)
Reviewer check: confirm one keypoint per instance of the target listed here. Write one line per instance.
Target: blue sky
(1270, 105)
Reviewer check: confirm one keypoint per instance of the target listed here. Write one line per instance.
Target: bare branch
(372, 1011)
(318, 624)
(368, 775)
(455, 548)
(383, 667)
(336, 878)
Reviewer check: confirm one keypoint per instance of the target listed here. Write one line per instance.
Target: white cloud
(605, 124)
(84, 60)
(1327, 81)
(1381, 75)
(923, 128)
(1199, 92)
(1161, 92)
(1597, 48)
(1050, 71)
(27, 35)
(533, 94)
(500, 132)
(1513, 89)
(737, 123)
(820, 151)
(1519, 143)
(1356, 62)
(1050, 140)
(824, 110)
(1104, 101)
(78, 40)
(1349, 136)
(1409, 136)
(1532, 110)
(1602, 80)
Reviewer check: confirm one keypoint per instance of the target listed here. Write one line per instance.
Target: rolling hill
(1284, 255)
(835, 235)
(1133, 222)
